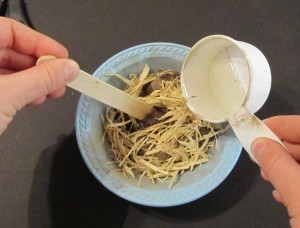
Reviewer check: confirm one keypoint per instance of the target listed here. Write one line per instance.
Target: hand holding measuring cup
(227, 80)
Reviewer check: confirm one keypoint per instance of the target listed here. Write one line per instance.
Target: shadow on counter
(65, 194)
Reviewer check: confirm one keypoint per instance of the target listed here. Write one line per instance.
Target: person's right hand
(281, 166)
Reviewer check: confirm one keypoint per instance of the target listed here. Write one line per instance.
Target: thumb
(282, 171)
(41, 80)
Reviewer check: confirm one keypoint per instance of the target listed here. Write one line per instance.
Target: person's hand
(281, 166)
(21, 82)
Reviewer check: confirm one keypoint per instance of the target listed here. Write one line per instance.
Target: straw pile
(170, 141)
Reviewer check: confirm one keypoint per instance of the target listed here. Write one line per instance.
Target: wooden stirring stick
(107, 94)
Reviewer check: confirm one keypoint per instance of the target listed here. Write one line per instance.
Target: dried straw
(178, 141)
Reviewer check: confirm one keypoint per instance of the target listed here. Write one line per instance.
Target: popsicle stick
(110, 95)
(107, 94)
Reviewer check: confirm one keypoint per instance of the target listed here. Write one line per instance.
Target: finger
(295, 222)
(4, 71)
(17, 36)
(39, 81)
(277, 196)
(263, 175)
(37, 102)
(5, 120)
(285, 127)
(57, 93)
(281, 169)
(15, 61)
(293, 150)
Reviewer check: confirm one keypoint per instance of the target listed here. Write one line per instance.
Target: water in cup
(224, 84)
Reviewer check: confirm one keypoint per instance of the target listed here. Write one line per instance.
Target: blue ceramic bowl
(89, 130)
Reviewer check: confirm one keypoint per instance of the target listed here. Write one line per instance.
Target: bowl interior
(89, 131)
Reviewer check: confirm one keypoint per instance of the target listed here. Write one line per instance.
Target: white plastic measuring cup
(227, 80)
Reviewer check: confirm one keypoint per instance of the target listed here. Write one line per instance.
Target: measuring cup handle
(248, 127)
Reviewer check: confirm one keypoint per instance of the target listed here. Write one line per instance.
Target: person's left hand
(21, 81)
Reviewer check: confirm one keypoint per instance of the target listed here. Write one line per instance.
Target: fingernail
(71, 69)
(258, 147)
